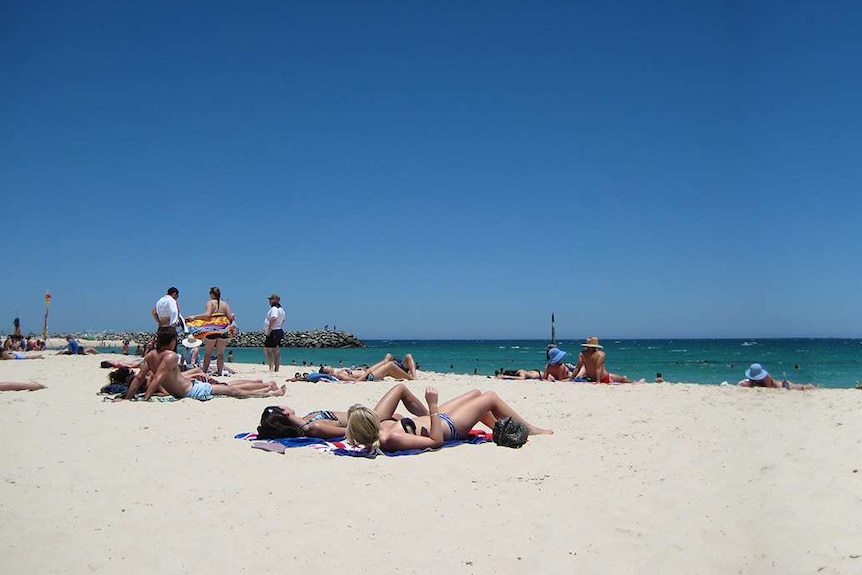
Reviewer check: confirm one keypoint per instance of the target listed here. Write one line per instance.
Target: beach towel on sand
(216, 325)
(339, 446)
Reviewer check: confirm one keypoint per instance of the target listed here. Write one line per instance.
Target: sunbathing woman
(389, 366)
(452, 420)
(282, 421)
(519, 374)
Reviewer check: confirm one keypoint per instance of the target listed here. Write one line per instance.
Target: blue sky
(436, 170)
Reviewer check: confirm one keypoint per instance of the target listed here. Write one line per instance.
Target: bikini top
(407, 424)
(327, 415)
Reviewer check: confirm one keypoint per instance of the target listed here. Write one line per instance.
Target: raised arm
(138, 379)
(400, 393)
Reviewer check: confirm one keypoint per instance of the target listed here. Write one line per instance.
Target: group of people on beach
(591, 368)
(383, 427)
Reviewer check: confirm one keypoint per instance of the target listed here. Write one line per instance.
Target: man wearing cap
(592, 359)
(273, 330)
(757, 376)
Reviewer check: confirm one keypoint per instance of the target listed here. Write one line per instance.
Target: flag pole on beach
(45, 323)
(553, 330)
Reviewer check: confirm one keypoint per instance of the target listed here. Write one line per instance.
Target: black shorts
(274, 338)
(218, 336)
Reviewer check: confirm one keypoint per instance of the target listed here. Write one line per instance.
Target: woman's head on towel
(275, 423)
(363, 427)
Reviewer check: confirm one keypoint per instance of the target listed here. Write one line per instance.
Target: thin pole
(553, 330)
(45, 322)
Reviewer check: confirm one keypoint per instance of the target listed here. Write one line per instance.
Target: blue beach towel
(338, 446)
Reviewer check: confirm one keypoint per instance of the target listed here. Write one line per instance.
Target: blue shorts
(200, 390)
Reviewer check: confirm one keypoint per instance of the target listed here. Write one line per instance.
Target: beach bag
(510, 433)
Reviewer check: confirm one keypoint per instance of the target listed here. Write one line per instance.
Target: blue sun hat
(756, 372)
(555, 355)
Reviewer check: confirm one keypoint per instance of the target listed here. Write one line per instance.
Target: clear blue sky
(434, 169)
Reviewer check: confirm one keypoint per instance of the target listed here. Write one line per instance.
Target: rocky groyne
(317, 338)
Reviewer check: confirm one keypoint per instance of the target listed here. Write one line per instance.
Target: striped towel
(339, 446)
(216, 325)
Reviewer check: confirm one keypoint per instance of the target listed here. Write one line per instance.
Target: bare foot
(539, 431)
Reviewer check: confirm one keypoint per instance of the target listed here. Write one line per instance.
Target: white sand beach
(656, 478)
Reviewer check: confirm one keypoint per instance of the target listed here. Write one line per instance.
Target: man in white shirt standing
(273, 329)
(167, 311)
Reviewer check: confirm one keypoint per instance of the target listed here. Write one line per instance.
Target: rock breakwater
(317, 338)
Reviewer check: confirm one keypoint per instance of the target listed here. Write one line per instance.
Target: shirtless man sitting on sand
(592, 360)
(162, 362)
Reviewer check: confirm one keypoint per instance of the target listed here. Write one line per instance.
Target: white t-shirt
(166, 308)
(278, 314)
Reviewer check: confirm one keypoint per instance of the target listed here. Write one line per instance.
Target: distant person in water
(659, 378)
(757, 376)
(592, 360)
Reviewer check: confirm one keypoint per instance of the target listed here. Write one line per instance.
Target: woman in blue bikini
(452, 420)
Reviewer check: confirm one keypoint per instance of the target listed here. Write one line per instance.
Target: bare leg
(390, 369)
(410, 364)
(276, 354)
(221, 343)
(623, 379)
(255, 385)
(488, 418)
(467, 414)
(267, 352)
(222, 389)
(387, 405)
(209, 344)
(12, 386)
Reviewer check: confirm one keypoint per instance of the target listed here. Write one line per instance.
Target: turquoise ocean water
(826, 362)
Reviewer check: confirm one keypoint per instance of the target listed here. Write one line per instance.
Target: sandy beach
(657, 478)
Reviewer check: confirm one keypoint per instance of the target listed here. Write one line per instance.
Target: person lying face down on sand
(518, 374)
(281, 420)
(6, 354)
(592, 361)
(389, 366)
(15, 386)
(756, 376)
(453, 420)
(161, 370)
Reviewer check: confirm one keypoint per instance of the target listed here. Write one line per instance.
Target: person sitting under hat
(756, 376)
(556, 370)
(592, 361)
(192, 345)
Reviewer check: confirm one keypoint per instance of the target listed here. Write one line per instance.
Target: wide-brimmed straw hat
(593, 342)
(756, 372)
(191, 341)
(555, 355)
